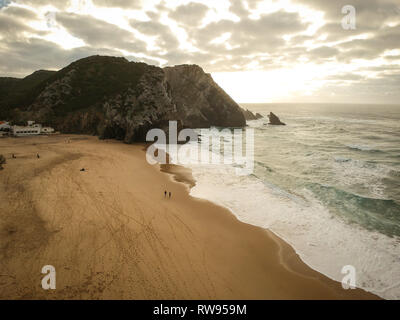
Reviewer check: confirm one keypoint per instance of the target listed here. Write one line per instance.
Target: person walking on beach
(38, 156)
(170, 195)
(165, 193)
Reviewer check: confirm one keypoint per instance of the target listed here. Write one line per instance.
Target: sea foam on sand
(324, 242)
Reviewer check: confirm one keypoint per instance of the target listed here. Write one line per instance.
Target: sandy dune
(110, 233)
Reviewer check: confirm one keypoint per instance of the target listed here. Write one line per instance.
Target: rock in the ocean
(274, 120)
(250, 115)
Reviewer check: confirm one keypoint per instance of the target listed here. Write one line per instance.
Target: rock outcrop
(274, 120)
(114, 98)
(248, 115)
(199, 101)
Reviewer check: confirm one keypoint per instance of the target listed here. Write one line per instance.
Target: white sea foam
(349, 172)
(362, 147)
(321, 156)
(324, 242)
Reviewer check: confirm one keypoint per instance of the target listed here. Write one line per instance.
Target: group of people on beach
(167, 194)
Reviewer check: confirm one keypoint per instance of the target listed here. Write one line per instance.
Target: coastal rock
(114, 98)
(250, 115)
(274, 120)
(199, 101)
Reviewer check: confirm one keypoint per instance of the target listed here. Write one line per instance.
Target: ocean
(328, 183)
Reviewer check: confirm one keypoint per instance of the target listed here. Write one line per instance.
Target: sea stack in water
(248, 115)
(274, 120)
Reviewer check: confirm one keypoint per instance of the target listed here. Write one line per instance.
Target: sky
(257, 51)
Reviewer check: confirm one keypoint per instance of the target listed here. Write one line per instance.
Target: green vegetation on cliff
(114, 98)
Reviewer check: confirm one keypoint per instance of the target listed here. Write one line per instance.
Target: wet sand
(111, 234)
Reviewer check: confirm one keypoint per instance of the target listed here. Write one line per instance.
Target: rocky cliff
(114, 98)
(250, 115)
(199, 101)
(274, 120)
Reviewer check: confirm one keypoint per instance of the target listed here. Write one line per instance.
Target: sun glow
(272, 85)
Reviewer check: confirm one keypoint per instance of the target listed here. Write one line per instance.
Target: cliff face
(130, 114)
(199, 101)
(114, 98)
(250, 115)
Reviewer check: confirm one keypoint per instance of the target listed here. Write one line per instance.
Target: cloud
(322, 52)
(237, 35)
(95, 32)
(372, 12)
(238, 8)
(125, 4)
(60, 4)
(20, 13)
(371, 17)
(43, 54)
(345, 77)
(377, 30)
(165, 38)
(191, 14)
(382, 89)
(384, 39)
(13, 21)
(248, 37)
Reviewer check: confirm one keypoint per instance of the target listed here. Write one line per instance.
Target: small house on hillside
(31, 129)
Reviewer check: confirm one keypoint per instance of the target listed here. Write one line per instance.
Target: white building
(31, 129)
(25, 131)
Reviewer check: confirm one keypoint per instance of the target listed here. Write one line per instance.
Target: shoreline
(290, 258)
(111, 234)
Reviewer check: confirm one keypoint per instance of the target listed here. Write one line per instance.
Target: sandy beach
(111, 234)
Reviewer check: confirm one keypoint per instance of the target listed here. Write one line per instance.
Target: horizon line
(302, 102)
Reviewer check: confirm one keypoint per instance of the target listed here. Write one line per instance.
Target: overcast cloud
(299, 45)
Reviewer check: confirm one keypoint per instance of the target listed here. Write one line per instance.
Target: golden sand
(111, 234)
